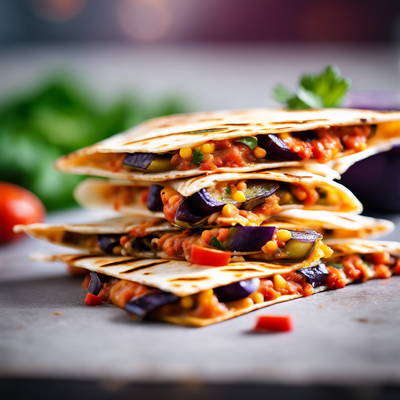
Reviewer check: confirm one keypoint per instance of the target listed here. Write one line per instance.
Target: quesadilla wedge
(222, 199)
(180, 293)
(158, 239)
(186, 145)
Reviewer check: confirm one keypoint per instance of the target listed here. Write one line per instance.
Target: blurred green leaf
(60, 116)
(327, 89)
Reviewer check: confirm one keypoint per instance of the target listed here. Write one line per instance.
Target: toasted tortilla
(166, 134)
(178, 277)
(333, 225)
(358, 246)
(95, 192)
(120, 225)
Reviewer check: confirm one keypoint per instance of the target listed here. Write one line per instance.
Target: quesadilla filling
(213, 247)
(245, 202)
(321, 144)
(228, 301)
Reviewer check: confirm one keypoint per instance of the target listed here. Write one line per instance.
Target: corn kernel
(239, 196)
(279, 282)
(271, 247)
(187, 302)
(168, 193)
(208, 148)
(284, 135)
(259, 152)
(243, 303)
(283, 235)
(205, 295)
(173, 199)
(228, 210)
(361, 146)
(332, 197)
(257, 297)
(186, 152)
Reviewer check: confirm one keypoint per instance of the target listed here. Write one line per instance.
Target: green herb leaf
(249, 141)
(197, 157)
(327, 89)
(337, 265)
(216, 243)
(228, 191)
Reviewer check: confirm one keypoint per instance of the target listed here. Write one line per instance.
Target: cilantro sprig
(216, 243)
(325, 90)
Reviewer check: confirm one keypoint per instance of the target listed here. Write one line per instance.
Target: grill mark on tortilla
(233, 124)
(82, 257)
(363, 120)
(298, 122)
(297, 176)
(240, 270)
(128, 271)
(200, 278)
(118, 263)
(178, 133)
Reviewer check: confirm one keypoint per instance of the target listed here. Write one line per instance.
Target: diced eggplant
(196, 207)
(148, 161)
(257, 192)
(142, 305)
(95, 284)
(248, 238)
(108, 242)
(237, 290)
(276, 148)
(315, 275)
(154, 202)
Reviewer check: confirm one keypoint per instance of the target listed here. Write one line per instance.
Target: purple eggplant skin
(95, 284)
(237, 290)
(276, 148)
(139, 160)
(197, 206)
(108, 242)
(248, 238)
(141, 306)
(305, 235)
(315, 275)
(248, 205)
(154, 202)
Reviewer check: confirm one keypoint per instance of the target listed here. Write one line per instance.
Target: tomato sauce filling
(321, 144)
(344, 270)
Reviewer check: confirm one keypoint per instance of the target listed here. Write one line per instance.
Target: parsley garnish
(315, 91)
(337, 265)
(227, 190)
(197, 157)
(216, 243)
(249, 141)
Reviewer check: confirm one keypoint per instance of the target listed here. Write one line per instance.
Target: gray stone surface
(348, 336)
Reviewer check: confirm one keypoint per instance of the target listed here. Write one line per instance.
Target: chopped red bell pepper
(93, 300)
(211, 257)
(279, 323)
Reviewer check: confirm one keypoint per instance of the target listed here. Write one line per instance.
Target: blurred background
(73, 72)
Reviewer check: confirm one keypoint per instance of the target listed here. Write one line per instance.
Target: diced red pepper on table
(93, 300)
(277, 323)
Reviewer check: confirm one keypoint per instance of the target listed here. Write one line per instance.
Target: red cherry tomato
(278, 323)
(17, 206)
(211, 257)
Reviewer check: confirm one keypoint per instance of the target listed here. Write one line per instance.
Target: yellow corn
(208, 148)
(241, 185)
(244, 303)
(168, 192)
(283, 235)
(279, 282)
(239, 196)
(257, 297)
(186, 152)
(187, 302)
(259, 152)
(270, 248)
(228, 210)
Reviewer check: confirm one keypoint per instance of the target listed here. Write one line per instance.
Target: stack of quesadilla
(226, 212)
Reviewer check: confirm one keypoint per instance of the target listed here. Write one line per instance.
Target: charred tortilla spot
(73, 259)
(238, 275)
(199, 278)
(117, 263)
(147, 273)
(363, 120)
(298, 122)
(233, 124)
(240, 269)
(297, 176)
(139, 267)
(176, 285)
